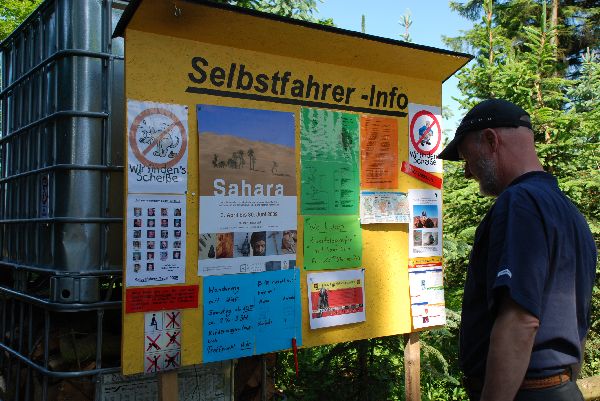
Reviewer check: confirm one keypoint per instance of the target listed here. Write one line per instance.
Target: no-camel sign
(425, 137)
(157, 136)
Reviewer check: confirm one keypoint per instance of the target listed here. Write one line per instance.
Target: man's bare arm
(511, 342)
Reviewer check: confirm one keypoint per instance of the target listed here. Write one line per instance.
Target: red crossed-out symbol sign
(153, 343)
(159, 141)
(173, 323)
(173, 338)
(432, 129)
(171, 360)
(153, 367)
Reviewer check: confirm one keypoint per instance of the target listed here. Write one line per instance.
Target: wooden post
(263, 378)
(168, 387)
(412, 367)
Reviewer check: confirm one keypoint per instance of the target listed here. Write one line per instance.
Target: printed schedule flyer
(329, 162)
(426, 284)
(378, 152)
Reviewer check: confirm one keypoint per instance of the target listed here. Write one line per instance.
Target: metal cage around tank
(61, 198)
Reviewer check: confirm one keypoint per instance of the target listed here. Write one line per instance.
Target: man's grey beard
(488, 177)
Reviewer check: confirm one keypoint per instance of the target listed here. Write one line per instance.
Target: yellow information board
(200, 65)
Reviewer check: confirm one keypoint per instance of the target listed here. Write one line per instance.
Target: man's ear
(491, 138)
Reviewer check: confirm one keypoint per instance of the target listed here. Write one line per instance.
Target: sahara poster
(247, 190)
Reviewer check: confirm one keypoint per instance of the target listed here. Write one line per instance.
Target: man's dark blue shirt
(535, 246)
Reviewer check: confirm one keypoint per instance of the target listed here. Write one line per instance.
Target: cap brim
(450, 152)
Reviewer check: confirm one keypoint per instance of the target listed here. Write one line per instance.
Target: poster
(383, 207)
(427, 294)
(329, 162)
(248, 314)
(425, 227)
(425, 137)
(157, 147)
(162, 341)
(155, 239)
(378, 152)
(152, 299)
(332, 242)
(336, 298)
(206, 382)
(248, 212)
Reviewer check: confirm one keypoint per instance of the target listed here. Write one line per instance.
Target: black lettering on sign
(289, 88)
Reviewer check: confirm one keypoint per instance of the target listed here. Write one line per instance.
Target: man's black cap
(491, 113)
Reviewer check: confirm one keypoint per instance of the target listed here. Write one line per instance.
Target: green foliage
(368, 370)
(299, 9)
(13, 12)
(373, 369)
(578, 25)
(406, 22)
(517, 59)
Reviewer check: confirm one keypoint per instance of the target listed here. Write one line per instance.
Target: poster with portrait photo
(248, 214)
(155, 241)
(425, 223)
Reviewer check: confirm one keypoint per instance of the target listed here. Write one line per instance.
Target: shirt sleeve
(518, 258)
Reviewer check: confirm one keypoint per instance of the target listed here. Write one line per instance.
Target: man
(425, 134)
(258, 242)
(288, 242)
(526, 304)
(424, 221)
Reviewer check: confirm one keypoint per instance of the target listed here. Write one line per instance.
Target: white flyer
(425, 227)
(157, 143)
(383, 207)
(155, 239)
(427, 303)
(425, 137)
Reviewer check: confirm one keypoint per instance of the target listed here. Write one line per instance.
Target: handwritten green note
(332, 242)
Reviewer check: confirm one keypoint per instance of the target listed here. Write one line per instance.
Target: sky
(257, 125)
(431, 19)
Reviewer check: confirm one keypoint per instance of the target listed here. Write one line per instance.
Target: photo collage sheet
(155, 224)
